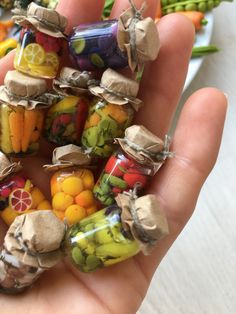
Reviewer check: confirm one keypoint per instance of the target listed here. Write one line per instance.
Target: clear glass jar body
(38, 54)
(72, 196)
(100, 240)
(105, 122)
(18, 195)
(65, 120)
(121, 173)
(20, 130)
(94, 46)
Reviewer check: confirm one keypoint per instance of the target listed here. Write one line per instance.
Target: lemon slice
(52, 59)
(46, 71)
(19, 60)
(34, 54)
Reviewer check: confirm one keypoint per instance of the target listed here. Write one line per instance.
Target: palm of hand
(122, 287)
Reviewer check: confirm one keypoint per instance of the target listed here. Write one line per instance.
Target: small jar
(127, 168)
(110, 113)
(18, 194)
(41, 41)
(129, 40)
(94, 46)
(22, 113)
(102, 240)
(71, 185)
(65, 120)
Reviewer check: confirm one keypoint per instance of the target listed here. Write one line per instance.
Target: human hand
(122, 287)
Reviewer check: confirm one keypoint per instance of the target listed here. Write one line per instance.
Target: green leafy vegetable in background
(107, 8)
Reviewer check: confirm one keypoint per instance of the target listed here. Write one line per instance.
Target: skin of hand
(121, 288)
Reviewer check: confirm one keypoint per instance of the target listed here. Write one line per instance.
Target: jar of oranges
(71, 184)
(41, 41)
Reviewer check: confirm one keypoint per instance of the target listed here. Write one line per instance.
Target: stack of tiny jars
(88, 123)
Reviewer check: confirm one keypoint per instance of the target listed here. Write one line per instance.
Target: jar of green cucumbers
(116, 232)
(110, 113)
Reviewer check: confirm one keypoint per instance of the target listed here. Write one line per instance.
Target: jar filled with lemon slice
(18, 194)
(41, 41)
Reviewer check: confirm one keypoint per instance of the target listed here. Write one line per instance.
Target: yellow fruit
(19, 60)
(65, 104)
(28, 185)
(46, 71)
(91, 210)
(85, 199)
(34, 54)
(61, 201)
(52, 59)
(55, 184)
(60, 215)
(88, 179)
(44, 205)
(8, 215)
(116, 112)
(37, 197)
(81, 240)
(72, 185)
(74, 214)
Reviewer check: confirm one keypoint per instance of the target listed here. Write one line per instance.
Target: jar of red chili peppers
(65, 120)
(140, 155)
(41, 41)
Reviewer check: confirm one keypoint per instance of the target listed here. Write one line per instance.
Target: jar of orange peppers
(22, 101)
(65, 120)
(18, 194)
(110, 112)
(72, 183)
(41, 41)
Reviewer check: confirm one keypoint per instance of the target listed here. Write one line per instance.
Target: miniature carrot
(40, 119)
(159, 12)
(30, 118)
(7, 24)
(16, 129)
(196, 17)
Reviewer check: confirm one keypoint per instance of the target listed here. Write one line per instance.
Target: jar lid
(24, 86)
(142, 145)
(117, 89)
(7, 167)
(144, 218)
(45, 20)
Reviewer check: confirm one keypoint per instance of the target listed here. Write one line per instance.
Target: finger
(163, 79)
(121, 5)
(77, 12)
(196, 144)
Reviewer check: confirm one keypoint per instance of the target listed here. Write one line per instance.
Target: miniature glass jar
(21, 113)
(18, 195)
(120, 174)
(105, 122)
(40, 44)
(100, 240)
(65, 120)
(72, 197)
(94, 46)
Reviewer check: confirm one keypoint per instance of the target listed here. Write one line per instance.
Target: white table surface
(198, 276)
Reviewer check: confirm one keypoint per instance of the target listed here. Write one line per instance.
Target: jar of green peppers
(116, 232)
(110, 112)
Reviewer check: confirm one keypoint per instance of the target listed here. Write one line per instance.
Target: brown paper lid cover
(35, 239)
(144, 218)
(138, 37)
(142, 145)
(45, 20)
(68, 156)
(22, 85)
(72, 81)
(7, 167)
(117, 89)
